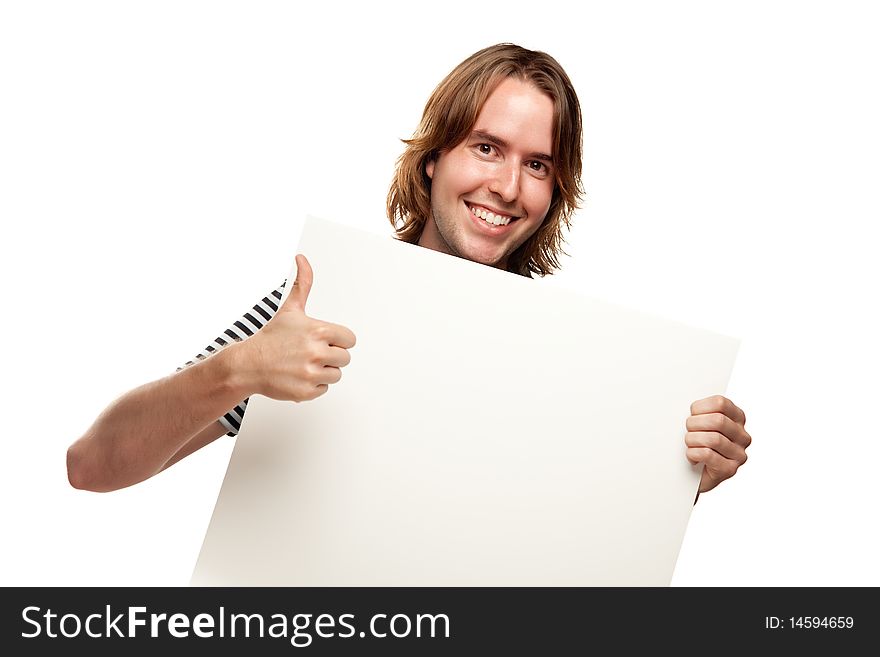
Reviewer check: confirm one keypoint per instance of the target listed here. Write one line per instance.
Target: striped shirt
(244, 327)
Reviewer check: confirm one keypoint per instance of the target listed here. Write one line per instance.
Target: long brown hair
(450, 115)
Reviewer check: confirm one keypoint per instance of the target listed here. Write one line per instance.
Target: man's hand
(717, 438)
(294, 357)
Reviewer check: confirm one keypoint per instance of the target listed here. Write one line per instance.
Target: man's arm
(293, 357)
(140, 433)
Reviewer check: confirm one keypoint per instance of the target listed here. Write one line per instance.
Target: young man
(493, 174)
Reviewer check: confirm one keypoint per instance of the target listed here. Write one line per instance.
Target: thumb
(302, 285)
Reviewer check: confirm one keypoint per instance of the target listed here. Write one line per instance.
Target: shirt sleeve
(244, 327)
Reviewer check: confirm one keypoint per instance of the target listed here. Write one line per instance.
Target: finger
(716, 442)
(716, 468)
(697, 454)
(336, 357)
(719, 404)
(340, 336)
(721, 467)
(302, 285)
(317, 391)
(329, 375)
(722, 424)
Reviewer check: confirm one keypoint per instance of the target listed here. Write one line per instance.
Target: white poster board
(490, 430)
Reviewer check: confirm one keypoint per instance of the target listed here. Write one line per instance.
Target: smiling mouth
(493, 218)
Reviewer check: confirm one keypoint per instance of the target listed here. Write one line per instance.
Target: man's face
(491, 192)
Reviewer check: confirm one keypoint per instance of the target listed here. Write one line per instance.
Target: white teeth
(490, 217)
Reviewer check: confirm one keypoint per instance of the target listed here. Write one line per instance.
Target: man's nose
(505, 181)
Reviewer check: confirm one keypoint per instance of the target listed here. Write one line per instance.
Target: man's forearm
(137, 434)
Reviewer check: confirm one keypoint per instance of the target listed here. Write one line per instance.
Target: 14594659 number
(815, 622)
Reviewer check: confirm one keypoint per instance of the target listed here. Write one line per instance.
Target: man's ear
(429, 167)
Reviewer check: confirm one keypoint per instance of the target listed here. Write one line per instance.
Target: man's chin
(488, 259)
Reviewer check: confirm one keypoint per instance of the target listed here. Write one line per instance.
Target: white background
(157, 160)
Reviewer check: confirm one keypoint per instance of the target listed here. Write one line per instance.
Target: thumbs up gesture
(295, 357)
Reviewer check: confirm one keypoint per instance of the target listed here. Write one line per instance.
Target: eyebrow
(498, 141)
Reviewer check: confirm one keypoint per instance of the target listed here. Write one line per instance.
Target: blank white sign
(490, 430)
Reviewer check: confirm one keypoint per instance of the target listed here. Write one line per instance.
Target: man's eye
(537, 166)
(485, 149)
